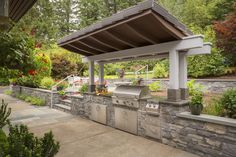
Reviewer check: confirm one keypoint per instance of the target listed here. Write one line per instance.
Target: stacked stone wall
(36, 92)
(207, 136)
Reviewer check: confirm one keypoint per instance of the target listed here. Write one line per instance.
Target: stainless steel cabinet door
(99, 113)
(126, 120)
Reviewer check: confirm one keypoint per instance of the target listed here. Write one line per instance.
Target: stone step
(62, 107)
(66, 101)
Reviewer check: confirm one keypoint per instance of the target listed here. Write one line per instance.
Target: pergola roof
(144, 24)
(18, 8)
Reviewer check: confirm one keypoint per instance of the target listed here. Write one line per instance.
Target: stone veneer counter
(209, 118)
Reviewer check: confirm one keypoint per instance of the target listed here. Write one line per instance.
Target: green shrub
(228, 102)
(111, 69)
(17, 50)
(4, 114)
(62, 67)
(194, 87)
(28, 98)
(37, 101)
(23, 143)
(160, 71)
(6, 75)
(29, 81)
(33, 100)
(47, 83)
(206, 65)
(20, 142)
(8, 92)
(61, 92)
(134, 82)
(155, 86)
(41, 69)
(4, 120)
(21, 96)
(84, 88)
(43, 65)
(4, 82)
(3, 143)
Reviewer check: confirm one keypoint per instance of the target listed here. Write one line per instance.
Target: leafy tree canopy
(17, 51)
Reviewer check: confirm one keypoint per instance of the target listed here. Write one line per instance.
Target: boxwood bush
(47, 83)
(21, 143)
(228, 102)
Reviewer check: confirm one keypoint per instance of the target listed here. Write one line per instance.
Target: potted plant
(196, 104)
(62, 94)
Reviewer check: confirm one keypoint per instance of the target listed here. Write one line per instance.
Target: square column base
(184, 93)
(173, 95)
(91, 88)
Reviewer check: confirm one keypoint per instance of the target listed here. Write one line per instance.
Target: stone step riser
(62, 109)
(64, 102)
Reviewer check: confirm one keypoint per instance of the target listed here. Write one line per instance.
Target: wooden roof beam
(12, 4)
(103, 43)
(79, 49)
(21, 11)
(69, 48)
(141, 35)
(64, 40)
(169, 28)
(118, 38)
(179, 45)
(92, 47)
(14, 9)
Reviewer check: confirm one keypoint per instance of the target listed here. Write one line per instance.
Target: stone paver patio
(84, 138)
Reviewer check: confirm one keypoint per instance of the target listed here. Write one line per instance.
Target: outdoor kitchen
(130, 108)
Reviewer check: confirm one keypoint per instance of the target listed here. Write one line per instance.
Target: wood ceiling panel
(95, 44)
(144, 24)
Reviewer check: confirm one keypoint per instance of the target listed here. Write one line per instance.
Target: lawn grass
(130, 76)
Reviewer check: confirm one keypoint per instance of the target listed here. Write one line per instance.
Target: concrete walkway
(84, 138)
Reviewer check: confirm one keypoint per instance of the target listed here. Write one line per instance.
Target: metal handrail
(54, 86)
(61, 81)
(136, 72)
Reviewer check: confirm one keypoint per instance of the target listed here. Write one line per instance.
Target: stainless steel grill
(127, 95)
(127, 100)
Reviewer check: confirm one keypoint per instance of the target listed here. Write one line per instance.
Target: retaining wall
(207, 136)
(210, 85)
(36, 92)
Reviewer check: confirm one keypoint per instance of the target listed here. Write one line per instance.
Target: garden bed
(43, 94)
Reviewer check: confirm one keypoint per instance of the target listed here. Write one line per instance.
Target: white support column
(174, 69)
(183, 76)
(91, 76)
(101, 74)
(174, 91)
